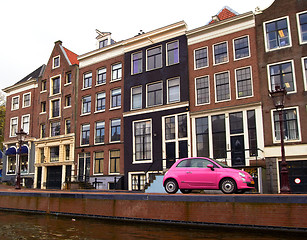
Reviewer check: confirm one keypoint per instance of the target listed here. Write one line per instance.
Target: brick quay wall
(272, 212)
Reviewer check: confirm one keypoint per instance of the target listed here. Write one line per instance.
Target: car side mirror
(210, 166)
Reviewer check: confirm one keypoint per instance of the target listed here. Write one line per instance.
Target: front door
(237, 151)
(54, 177)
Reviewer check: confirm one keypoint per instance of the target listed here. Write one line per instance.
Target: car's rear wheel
(228, 186)
(171, 186)
(185, 191)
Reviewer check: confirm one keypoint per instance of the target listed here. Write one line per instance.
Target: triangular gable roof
(72, 57)
(225, 13)
(35, 74)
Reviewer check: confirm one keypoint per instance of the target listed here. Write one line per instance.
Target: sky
(29, 28)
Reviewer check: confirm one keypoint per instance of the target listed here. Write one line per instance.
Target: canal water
(23, 226)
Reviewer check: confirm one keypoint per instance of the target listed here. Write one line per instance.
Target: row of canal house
(118, 115)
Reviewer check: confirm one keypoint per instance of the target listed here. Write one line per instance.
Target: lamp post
(20, 137)
(278, 97)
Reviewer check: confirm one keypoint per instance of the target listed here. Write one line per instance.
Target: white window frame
(158, 46)
(23, 100)
(131, 105)
(105, 97)
(11, 126)
(81, 137)
(133, 130)
(304, 72)
(132, 63)
(213, 55)
(167, 63)
(111, 99)
(66, 78)
(147, 94)
(101, 143)
(110, 130)
(68, 119)
(252, 84)
(168, 98)
(94, 158)
(12, 104)
(234, 49)
(82, 99)
(41, 112)
(51, 85)
(267, 49)
(43, 82)
(51, 108)
(113, 174)
(293, 74)
(66, 97)
(226, 100)
(194, 55)
(299, 27)
(22, 123)
(298, 125)
(117, 70)
(53, 66)
(105, 71)
(83, 77)
(195, 85)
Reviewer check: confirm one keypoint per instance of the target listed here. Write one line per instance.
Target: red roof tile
(225, 13)
(71, 56)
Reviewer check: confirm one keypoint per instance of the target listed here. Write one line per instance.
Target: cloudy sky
(29, 28)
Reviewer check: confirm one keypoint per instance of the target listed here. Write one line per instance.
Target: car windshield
(223, 165)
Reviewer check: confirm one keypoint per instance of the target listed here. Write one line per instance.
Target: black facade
(152, 114)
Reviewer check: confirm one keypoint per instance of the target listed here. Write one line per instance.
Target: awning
(10, 151)
(24, 149)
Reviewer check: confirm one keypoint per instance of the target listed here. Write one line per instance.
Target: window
(281, 76)
(100, 101)
(43, 107)
(67, 126)
(290, 118)
(137, 62)
(25, 125)
(201, 58)
(114, 161)
(87, 80)
(172, 53)
(302, 22)
(219, 136)
(241, 48)
(142, 141)
(86, 104)
(236, 122)
(14, 127)
(173, 90)
(252, 133)
(68, 78)
(244, 82)
(67, 152)
(99, 132)
(11, 164)
(42, 155)
(84, 166)
(55, 129)
(116, 71)
(202, 137)
(56, 62)
(55, 84)
(220, 53)
(202, 90)
(101, 76)
(15, 103)
(43, 130)
(54, 154)
(67, 101)
(304, 63)
(85, 134)
(98, 162)
(115, 130)
(44, 85)
(115, 98)
(154, 94)
(222, 90)
(27, 100)
(136, 97)
(154, 58)
(277, 34)
(103, 43)
(55, 108)
(24, 163)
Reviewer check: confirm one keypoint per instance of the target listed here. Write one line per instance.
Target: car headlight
(241, 174)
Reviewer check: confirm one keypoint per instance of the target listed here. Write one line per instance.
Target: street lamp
(20, 137)
(278, 97)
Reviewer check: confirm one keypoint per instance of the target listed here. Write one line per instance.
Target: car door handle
(189, 172)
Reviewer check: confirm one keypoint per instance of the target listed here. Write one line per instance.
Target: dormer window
(103, 43)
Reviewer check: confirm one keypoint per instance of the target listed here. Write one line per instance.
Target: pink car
(204, 173)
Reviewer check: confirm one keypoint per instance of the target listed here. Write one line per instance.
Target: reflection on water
(33, 226)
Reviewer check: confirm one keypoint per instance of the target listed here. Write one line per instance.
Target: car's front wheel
(228, 186)
(171, 186)
(185, 191)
